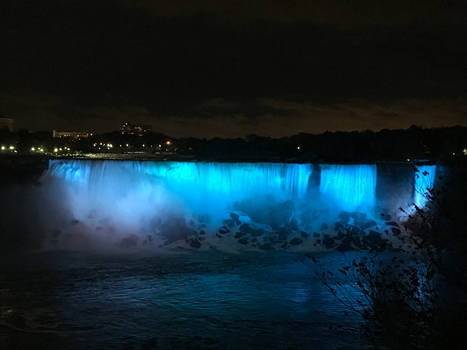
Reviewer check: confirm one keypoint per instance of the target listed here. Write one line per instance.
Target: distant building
(135, 129)
(6, 124)
(71, 134)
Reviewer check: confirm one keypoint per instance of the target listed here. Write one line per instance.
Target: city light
(11, 148)
(55, 150)
(168, 142)
(33, 149)
(3, 148)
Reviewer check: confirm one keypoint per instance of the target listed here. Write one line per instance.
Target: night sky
(232, 68)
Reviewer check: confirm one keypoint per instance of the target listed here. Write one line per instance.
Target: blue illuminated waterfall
(424, 182)
(351, 187)
(132, 195)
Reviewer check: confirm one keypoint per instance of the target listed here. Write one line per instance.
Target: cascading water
(424, 182)
(153, 198)
(351, 187)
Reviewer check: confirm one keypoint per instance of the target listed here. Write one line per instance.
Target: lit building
(135, 129)
(71, 134)
(6, 124)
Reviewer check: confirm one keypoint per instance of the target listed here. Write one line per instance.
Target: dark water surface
(196, 300)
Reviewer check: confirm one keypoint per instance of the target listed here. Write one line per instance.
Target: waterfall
(424, 182)
(349, 187)
(132, 191)
(130, 195)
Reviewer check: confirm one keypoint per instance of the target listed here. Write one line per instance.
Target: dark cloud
(91, 63)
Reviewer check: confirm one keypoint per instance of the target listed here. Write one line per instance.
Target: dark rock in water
(329, 242)
(396, 231)
(176, 229)
(350, 242)
(374, 241)
(74, 221)
(316, 235)
(243, 241)
(296, 241)
(392, 223)
(202, 238)
(224, 230)
(202, 232)
(254, 239)
(194, 243)
(304, 234)
(266, 246)
(282, 235)
(240, 234)
(283, 246)
(247, 229)
(219, 236)
(324, 227)
(235, 218)
(340, 235)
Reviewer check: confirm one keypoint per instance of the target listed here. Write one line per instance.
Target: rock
(296, 241)
(395, 231)
(284, 245)
(229, 223)
(235, 218)
(345, 245)
(329, 242)
(219, 236)
(247, 229)
(202, 232)
(324, 227)
(282, 235)
(194, 243)
(374, 241)
(304, 234)
(316, 235)
(75, 222)
(243, 241)
(224, 230)
(392, 223)
(240, 234)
